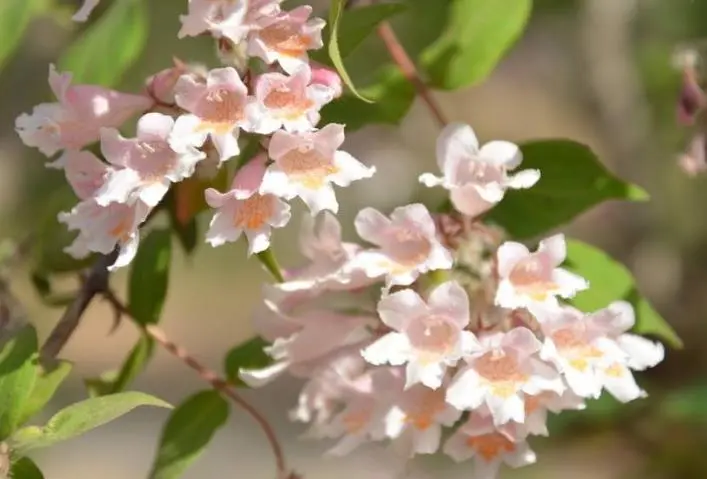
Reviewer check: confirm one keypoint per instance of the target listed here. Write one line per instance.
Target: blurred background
(596, 71)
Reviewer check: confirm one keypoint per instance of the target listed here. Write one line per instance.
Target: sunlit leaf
(48, 379)
(15, 16)
(17, 377)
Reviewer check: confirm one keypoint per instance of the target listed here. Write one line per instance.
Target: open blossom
(289, 102)
(489, 446)
(147, 164)
(407, 244)
(77, 118)
(232, 19)
(477, 178)
(306, 165)
(530, 278)
(426, 337)
(243, 210)
(501, 373)
(285, 38)
(85, 172)
(216, 109)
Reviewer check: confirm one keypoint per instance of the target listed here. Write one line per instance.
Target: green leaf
(572, 181)
(17, 377)
(335, 15)
(149, 277)
(355, 26)
(105, 51)
(25, 468)
(187, 433)
(134, 364)
(15, 16)
(477, 35)
(267, 258)
(610, 281)
(46, 383)
(247, 355)
(393, 96)
(80, 418)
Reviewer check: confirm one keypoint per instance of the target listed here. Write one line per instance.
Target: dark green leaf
(25, 468)
(104, 52)
(335, 15)
(47, 382)
(572, 181)
(15, 16)
(187, 433)
(610, 281)
(478, 34)
(80, 418)
(17, 377)
(188, 235)
(248, 355)
(149, 277)
(117, 381)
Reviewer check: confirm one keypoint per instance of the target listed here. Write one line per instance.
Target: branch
(407, 67)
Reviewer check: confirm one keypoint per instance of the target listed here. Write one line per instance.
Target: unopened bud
(160, 86)
(327, 77)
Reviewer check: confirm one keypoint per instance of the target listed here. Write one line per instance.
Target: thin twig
(407, 67)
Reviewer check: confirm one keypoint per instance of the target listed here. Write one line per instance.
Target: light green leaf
(611, 281)
(17, 377)
(47, 382)
(572, 181)
(187, 433)
(477, 35)
(25, 468)
(105, 51)
(267, 258)
(149, 277)
(80, 418)
(15, 16)
(248, 355)
(335, 15)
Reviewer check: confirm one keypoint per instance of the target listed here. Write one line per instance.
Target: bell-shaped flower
(477, 178)
(307, 164)
(216, 109)
(244, 210)
(225, 18)
(76, 119)
(407, 244)
(526, 278)
(489, 446)
(147, 164)
(289, 102)
(286, 38)
(501, 374)
(427, 337)
(417, 419)
(85, 172)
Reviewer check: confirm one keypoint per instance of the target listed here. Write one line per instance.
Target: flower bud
(327, 77)
(160, 86)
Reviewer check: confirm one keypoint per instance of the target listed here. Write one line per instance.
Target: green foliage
(105, 51)
(267, 258)
(686, 404)
(17, 378)
(47, 381)
(478, 34)
(134, 364)
(80, 418)
(187, 433)
(335, 15)
(247, 355)
(611, 281)
(572, 181)
(149, 277)
(25, 468)
(15, 16)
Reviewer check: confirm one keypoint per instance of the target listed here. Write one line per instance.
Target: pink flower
(306, 165)
(477, 178)
(244, 210)
(427, 337)
(147, 164)
(76, 120)
(327, 78)
(407, 244)
(288, 102)
(501, 373)
(489, 446)
(102, 228)
(83, 13)
(217, 109)
(161, 85)
(530, 278)
(85, 172)
(285, 38)
(220, 17)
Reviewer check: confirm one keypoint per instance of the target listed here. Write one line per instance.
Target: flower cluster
(431, 328)
(191, 121)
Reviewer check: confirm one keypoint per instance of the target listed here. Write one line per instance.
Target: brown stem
(407, 67)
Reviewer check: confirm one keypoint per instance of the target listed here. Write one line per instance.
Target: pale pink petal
(260, 377)
(502, 153)
(114, 147)
(523, 341)
(619, 381)
(451, 300)
(393, 349)
(84, 172)
(456, 140)
(569, 283)
(155, 126)
(398, 309)
(555, 247)
(467, 200)
(509, 254)
(643, 353)
(187, 133)
(505, 409)
(416, 215)
(371, 225)
(465, 392)
(523, 179)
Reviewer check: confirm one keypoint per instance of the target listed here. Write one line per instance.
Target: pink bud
(327, 77)
(160, 86)
(691, 99)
